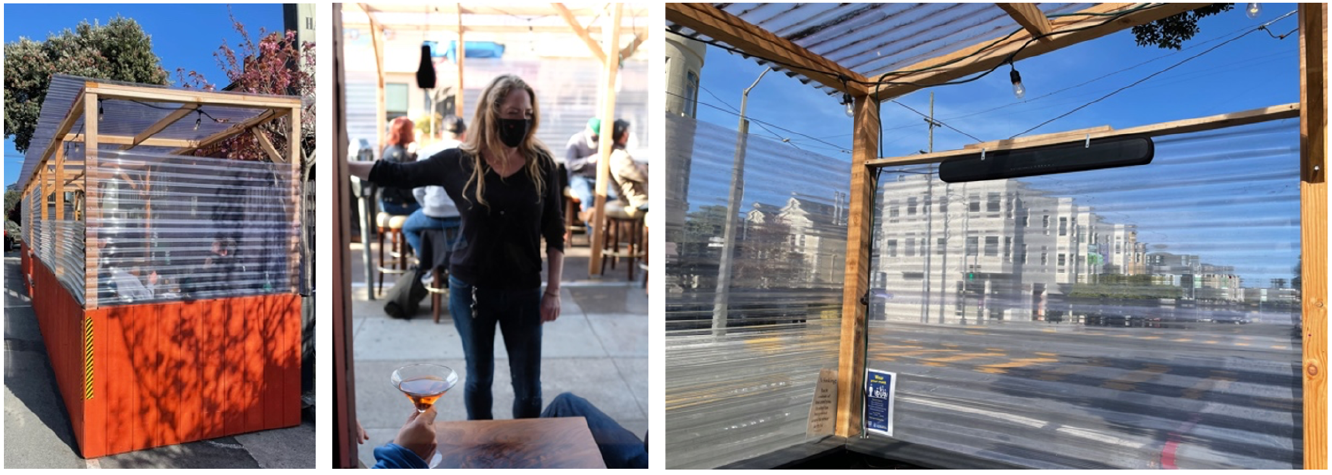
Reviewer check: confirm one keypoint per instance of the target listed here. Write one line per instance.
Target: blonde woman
(505, 185)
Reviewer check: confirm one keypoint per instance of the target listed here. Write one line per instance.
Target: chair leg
(378, 266)
(435, 297)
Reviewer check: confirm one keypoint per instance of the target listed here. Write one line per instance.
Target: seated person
(127, 286)
(619, 447)
(437, 210)
(580, 158)
(218, 273)
(628, 178)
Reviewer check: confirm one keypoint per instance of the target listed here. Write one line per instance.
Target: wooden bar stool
(391, 226)
(439, 265)
(571, 206)
(621, 228)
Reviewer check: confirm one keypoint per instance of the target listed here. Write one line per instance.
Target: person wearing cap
(437, 210)
(581, 154)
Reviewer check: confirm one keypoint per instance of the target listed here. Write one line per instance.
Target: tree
(119, 51)
(1172, 31)
(275, 65)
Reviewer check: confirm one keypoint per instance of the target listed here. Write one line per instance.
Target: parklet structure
(1009, 408)
(165, 283)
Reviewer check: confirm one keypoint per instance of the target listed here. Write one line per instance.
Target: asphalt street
(1201, 396)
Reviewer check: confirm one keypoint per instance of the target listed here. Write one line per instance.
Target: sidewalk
(38, 432)
(597, 349)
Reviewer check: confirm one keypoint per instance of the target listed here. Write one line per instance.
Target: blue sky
(1252, 72)
(183, 36)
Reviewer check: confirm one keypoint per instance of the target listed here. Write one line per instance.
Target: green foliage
(1173, 31)
(119, 51)
(1118, 286)
(12, 199)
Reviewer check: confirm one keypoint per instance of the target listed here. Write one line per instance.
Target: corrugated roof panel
(876, 38)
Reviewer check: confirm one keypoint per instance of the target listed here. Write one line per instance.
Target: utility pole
(721, 302)
(929, 220)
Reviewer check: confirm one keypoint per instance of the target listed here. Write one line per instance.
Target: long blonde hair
(485, 135)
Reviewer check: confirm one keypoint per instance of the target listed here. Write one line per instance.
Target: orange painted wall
(175, 372)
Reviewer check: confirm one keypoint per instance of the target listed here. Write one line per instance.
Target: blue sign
(880, 390)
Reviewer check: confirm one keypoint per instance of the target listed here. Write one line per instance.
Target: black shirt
(499, 243)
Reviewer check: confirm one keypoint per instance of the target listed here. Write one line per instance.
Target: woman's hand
(418, 434)
(550, 306)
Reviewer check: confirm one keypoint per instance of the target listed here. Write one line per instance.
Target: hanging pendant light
(425, 73)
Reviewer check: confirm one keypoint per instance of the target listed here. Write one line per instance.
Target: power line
(937, 121)
(757, 121)
(1140, 81)
(774, 134)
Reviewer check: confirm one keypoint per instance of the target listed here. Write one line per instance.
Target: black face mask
(513, 131)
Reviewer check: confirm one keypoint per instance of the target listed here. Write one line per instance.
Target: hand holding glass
(424, 383)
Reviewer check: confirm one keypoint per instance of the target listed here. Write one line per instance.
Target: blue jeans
(518, 313)
(418, 222)
(585, 188)
(619, 447)
(398, 210)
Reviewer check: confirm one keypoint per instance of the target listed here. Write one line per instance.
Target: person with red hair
(393, 200)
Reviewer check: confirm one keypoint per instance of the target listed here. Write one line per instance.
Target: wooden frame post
(611, 67)
(92, 209)
(459, 98)
(381, 109)
(1313, 228)
(344, 394)
(851, 357)
(295, 155)
(59, 190)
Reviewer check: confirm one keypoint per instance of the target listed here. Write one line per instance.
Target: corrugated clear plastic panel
(1141, 317)
(567, 93)
(174, 227)
(743, 387)
(69, 239)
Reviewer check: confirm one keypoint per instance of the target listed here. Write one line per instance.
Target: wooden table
(559, 442)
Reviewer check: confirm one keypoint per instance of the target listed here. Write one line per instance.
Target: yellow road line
(1017, 363)
(1129, 381)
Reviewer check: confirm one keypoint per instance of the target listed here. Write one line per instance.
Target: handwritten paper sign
(823, 412)
(880, 390)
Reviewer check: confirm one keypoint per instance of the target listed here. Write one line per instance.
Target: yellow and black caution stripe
(87, 358)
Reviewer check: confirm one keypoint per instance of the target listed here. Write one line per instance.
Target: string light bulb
(197, 120)
(1253, 10)
(101, 114)
(1018, 89)
(850, 105)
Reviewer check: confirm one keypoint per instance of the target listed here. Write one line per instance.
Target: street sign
(880, 391)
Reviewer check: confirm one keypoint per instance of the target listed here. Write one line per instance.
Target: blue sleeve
(392, 455)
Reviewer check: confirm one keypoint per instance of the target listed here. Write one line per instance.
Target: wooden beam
(581, 32)
(962, 62)
(474, 28)
(628, 51)
(730, 29)
(1030, 17)
(609, 70)
(267, 145)
(272, 114)
(1313, 228)
(160, 125)
(91, 200)
(459, 97)
(1285, 111)
(126, 140)
(851, 357)
(1079, 133)
(188, 96)
(75, 111)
